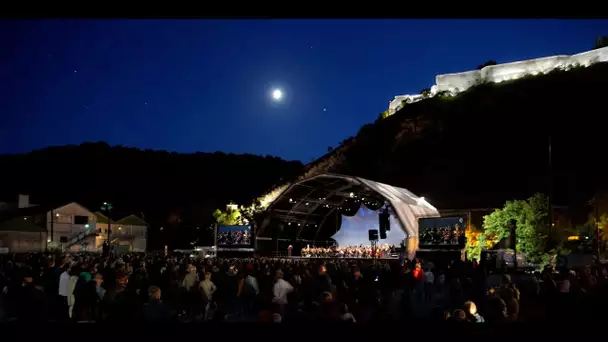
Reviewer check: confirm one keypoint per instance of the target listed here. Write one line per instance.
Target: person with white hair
(280, 290)
(346, 315)
(208, 288)
(471, 310)
(276, 318)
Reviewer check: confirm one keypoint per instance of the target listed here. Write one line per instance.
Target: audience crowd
(86, 287)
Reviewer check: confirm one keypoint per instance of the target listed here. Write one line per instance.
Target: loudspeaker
(373, 234)
(384, 224)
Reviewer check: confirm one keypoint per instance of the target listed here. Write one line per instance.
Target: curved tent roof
(309, 202)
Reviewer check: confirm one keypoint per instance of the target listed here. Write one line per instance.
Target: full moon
(277, 94)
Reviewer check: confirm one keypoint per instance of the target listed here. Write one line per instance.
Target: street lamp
(107, 208)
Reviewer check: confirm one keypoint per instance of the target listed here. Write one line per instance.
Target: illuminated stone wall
(459, 82)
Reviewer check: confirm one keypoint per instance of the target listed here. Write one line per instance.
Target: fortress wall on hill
(459, 82)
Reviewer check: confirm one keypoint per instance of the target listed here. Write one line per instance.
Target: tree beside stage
(230, 217)
(532, 226)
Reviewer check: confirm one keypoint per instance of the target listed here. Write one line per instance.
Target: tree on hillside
(228, 217)
(531, 216)
(384, 114)
(426, 92)
(487, 63)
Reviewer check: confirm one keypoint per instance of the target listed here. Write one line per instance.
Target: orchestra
(349, 252)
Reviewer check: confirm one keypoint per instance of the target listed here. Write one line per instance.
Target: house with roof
(33, 228)
(21, 234)
(127, 234)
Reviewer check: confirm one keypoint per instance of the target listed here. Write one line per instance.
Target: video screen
(441, 232)
(237, 236)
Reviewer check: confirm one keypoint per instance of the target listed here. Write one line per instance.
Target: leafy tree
(531, 218)
(384, 114)
(426, 92)
(588, 235)
(227, 218)
(444, 94)
(473, 246)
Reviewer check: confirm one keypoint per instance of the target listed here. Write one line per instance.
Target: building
(33, 228)
(69, 225)
(21, 234)
(129, 233)
(458, 82)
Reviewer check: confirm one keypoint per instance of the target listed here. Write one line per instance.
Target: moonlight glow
(277, 94)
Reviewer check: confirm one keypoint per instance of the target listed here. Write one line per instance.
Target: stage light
(290, 200)
(306, 203)
(352, 195)
(298, 224)
(289, 224)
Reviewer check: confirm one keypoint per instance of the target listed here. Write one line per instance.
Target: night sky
(196, 85)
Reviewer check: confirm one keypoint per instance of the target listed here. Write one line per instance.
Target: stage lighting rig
(372, 203)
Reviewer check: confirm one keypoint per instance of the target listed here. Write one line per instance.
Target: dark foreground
(146, 288)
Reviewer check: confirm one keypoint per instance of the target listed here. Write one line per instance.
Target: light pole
(597, 228)
(107, 208)
(550, 188)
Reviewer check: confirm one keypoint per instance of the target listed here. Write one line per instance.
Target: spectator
(155, 310)
(471, 310)
(208, 289)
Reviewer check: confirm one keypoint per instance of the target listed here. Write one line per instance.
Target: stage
(337, 258)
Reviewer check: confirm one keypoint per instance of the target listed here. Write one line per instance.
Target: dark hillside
(489, 144)
(170, 189)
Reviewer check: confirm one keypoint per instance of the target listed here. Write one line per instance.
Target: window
(60, 218)
(81, 220)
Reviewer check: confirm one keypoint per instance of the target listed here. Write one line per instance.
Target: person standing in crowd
(155, 310)
(419, 282)
(31, 302)
(429, 284)
(250, 291)
(280, 291)
(190, 290)
(471, 310)
(63, 291)
(208, 289)
(72, 280)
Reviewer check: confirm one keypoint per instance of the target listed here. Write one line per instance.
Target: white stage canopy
(307, 203)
